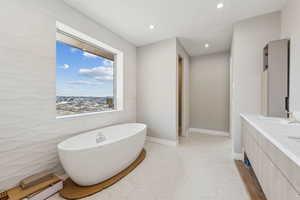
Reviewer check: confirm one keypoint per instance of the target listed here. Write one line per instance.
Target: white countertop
(278, 133)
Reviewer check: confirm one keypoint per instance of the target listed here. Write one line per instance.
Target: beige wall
(249, 38)
(209, 94)
(28, 127)
(186, 87)
(291, 29)
(156, 88)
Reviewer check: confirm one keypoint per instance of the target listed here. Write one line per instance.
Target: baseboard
(237, 156)
(186, 133)
(209, 132)
(162, 141)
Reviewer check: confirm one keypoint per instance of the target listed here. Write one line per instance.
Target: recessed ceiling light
(206, 45)
(151, 27)
(220, 5)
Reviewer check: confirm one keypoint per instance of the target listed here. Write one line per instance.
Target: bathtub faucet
(100, 138)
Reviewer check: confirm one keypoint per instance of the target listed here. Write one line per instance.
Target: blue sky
(79, 73)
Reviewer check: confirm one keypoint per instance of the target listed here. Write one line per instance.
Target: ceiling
(194, 22)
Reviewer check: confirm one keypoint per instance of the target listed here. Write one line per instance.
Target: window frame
(118, 68)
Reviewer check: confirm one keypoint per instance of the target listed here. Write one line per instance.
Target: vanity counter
(273, 148)
(286, 137)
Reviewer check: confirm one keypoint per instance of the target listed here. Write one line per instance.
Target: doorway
(180, 96)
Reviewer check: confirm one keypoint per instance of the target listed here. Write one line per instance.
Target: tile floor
(200, 168)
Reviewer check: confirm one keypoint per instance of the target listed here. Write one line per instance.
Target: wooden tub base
(73, 191)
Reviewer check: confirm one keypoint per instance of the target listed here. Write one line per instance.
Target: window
(88, 74)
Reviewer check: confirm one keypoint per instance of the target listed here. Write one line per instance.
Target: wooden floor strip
(73, 191)
(250, 181)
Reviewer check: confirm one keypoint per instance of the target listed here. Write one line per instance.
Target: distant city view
(84, 81)
(66, 105)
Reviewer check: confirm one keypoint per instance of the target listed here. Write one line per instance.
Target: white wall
(186, 88)
(28, 127)
(249, 38)
(209, 95)
(291, 30)
(156, 86)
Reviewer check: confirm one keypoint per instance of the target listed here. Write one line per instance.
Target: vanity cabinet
(275, 172)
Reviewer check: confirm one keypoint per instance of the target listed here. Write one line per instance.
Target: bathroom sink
(289, 123)
(278, 120)
(294, 138)
(275, 120)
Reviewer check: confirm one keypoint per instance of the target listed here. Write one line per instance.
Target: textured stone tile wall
(29, 130)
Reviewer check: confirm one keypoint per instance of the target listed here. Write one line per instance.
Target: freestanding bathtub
(96, 156)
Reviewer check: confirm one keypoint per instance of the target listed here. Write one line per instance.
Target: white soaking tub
(95, 156)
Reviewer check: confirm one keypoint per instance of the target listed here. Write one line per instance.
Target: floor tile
(200, 168)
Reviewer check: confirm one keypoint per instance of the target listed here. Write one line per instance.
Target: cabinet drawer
(276, 175)
(251, 131)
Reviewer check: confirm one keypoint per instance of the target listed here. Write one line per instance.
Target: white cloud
(72, 49)
(82, 82)
(107, 62)
(104, 78)
(98, 73)
(65, 66)
(89, 55)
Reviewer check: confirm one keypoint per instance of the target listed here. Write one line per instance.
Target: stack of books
(36, 187)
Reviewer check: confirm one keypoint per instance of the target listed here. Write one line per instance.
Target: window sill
(88, 114)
